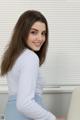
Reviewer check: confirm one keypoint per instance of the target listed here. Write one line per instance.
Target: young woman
(26, 52)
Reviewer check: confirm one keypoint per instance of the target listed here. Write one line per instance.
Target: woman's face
(37, 36)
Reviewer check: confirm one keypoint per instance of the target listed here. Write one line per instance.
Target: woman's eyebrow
(34, 29)
(37, 29)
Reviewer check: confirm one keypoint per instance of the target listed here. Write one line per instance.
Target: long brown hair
(18, 44)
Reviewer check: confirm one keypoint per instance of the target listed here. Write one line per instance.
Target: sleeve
(40, 84)
(26, 103)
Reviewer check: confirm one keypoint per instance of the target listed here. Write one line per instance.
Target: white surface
(74, 109)
(47, 89)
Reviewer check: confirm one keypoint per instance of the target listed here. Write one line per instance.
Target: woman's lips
(37, 43)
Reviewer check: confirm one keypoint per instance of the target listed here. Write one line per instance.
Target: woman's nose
(40, 37)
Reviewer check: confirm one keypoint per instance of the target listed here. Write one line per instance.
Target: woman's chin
(36, 49)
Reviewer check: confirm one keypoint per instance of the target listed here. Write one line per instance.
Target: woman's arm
(26, 103)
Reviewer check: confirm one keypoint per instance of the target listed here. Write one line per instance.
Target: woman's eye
(44, 33)
(33, 32)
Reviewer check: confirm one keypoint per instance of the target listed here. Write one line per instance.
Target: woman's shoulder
(28, 56)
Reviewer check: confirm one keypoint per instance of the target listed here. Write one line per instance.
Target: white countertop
(47, 89)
